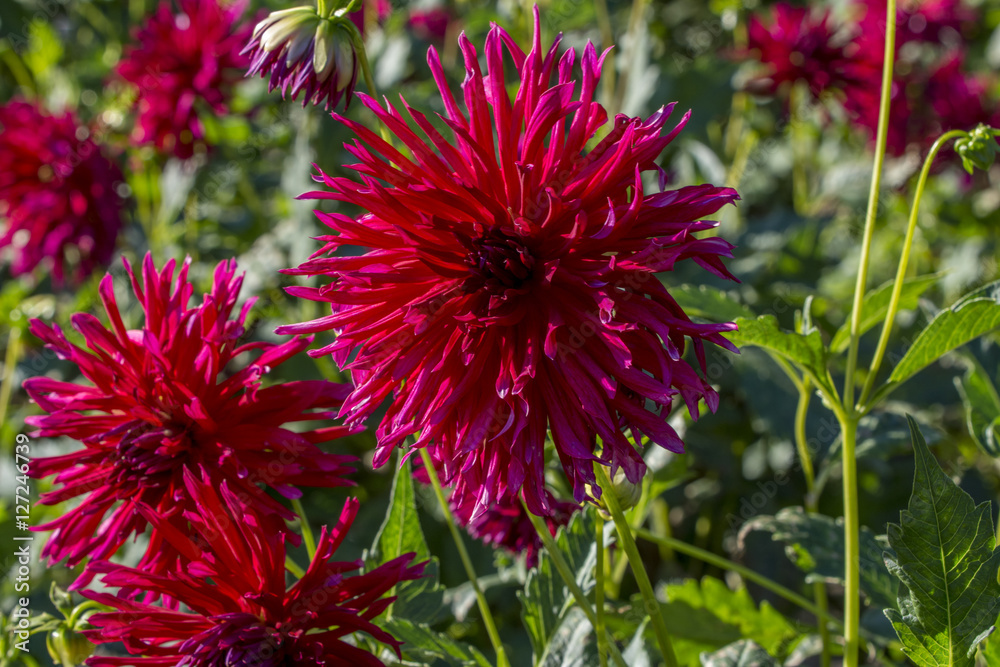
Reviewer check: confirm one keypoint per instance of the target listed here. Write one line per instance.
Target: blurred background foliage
(239, 200)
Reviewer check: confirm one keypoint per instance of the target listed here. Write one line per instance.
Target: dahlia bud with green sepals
(627, 493)
(978, 149)
(67, 646)
(306, 52)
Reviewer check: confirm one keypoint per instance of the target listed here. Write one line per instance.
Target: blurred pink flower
(180, 62)
(510, 288)
(168, 398)
(430, 24)
(59, 208)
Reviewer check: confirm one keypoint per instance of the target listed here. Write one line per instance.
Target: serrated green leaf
(546, 600)
(743, 653)
(815, 543)
(573, 644)
(423, 644)
(982, 407)
(400, 533)
(945, 555)
(876, 304)
(973, 315)
(804, 350)
(707, 615)
(709, 303)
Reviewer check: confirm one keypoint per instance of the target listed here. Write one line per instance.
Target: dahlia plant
(531, 300)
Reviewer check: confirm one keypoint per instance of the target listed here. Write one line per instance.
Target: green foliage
(709, 303)
(876, 305)
(432, 647)
(982, 407)
(945, 555)
(815, 543)
(708, 615)
(804, 350)
(401, 533)
(744, 653)
(546, 601)
(970, 317)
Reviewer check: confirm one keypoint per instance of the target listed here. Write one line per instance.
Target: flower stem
(638, 569)
(484, 609)
(9, 371)
(904, 258)
(607, 41)
(569, 579)
(307, 533)
(294, 567)
(634, 23)
(848, 415)
(366, 72)
(602, 639)
(745, 572)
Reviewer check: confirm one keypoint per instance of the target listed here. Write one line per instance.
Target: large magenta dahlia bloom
(59, 206)
(510, 290)
(237, 609)
(181, 61)
(168, 398)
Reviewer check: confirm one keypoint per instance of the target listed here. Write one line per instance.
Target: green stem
(484, 609)
(9, 371)
(638, 569)
(634, 21)
(873, 194)
(848, 415)
(307, 533)
(294, 567)
(321, 8)
(812, 500)
(904, 258)
(745, 572)
(602, 639)
(366, 72)
(569, 579)
(607, 41)
(800, 183)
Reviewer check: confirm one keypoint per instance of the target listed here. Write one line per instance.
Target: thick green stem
(366, 72)
(848, 414)
(745, 572)
(9, 371)
(562, 567)
(852, 551)
(602, 639)
(904, 258)
(294, 567)
(307, 533)
(873, 194)
(638, 568)
(470, 571)
(797, 131)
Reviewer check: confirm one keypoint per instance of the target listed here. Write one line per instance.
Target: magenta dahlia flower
(305, 52)
(59, 207)
(167, 398)
(237, 609)
(799, 44)
(181, 62)
(510, 285)
(430, 24)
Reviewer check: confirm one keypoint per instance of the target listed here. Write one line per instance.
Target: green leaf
(709, 303)
(982, 407)
(876, 304)
(707, 615)
(428, 646)
(945, 555)
(990, 651)
(573, 644)
(743, 653)
(804, 350)
(400, 534)
(815, 543)
(973, 315)
(545, 600)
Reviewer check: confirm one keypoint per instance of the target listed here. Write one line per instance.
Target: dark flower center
(148, 455)
(498, 263)
(240, 640)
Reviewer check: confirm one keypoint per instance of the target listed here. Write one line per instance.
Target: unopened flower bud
(978, 149)
(627, 493)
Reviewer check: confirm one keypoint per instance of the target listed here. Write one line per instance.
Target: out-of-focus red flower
(168, 398)
(510, 288)
(379, 10)
(237, 609)
(59, 208)
(430, 24)
(799, 44)
(304, 52)
(180, 62)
